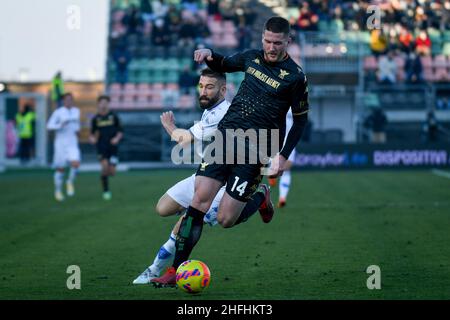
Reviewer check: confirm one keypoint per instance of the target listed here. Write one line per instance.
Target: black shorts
(108, 152)
(241, 180)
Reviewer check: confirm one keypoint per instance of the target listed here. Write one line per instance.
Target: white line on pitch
(441, 173)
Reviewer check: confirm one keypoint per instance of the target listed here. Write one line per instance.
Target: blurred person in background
(377, 122)
(122, 58)
(423, 44)
(378, 42)
(65, 121)
(106, 133)
(413, 68)
(57, 90)
(387, 69)
(26, 128)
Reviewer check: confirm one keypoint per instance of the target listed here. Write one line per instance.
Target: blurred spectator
(423, 44)
(431, 128)
(413, 68)
(378, 42)
(187, 80)
(405, 40)
(377, 122)
(387, 69)
(187, 33)
(122, 58)
(25, 122)
(57, 90)
(159, 9)
(160, 34)
(133, 20)
(213, 10)
(307, 20)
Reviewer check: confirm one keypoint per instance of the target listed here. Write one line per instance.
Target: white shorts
(183, 192)
(65, 154)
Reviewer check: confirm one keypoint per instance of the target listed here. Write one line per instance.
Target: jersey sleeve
(118, 124)
(55, 122)
(231, 63)
(77, 121)
(197, 130)
(300, 108)
(300, 104)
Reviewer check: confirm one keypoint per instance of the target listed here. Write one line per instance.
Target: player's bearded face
(274, 45)
(209, 92)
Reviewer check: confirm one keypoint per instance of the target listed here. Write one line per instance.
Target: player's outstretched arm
(181, 136)
(220, 63)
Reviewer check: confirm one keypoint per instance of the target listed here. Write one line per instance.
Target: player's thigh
(73, 156)
(206, 189)
(59, 157)
(209, 179)
(167, 206)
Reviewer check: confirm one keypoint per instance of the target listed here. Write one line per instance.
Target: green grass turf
(335, 225)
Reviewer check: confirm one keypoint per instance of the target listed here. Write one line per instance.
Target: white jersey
(204, 129)
(66, 123)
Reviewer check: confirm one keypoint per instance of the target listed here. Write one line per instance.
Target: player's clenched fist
(202, 54)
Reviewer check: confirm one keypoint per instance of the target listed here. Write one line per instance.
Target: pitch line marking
(441, 173)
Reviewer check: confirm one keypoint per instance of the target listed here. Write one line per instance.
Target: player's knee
(201, 202)
(225, 222)
(161, 209)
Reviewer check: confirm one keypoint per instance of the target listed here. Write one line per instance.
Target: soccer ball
(193, 276)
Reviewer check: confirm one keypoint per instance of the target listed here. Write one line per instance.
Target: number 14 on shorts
(239, 188)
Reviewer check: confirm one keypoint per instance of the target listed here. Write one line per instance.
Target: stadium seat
(427, 62)
(115, 89)
(143, 90)
(129, 89)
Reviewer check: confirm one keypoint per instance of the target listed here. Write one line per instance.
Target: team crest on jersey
(283, 73)
(203, 166)
(256, 61)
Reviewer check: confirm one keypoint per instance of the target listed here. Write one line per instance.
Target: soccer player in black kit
(273, 83)
(106, 133)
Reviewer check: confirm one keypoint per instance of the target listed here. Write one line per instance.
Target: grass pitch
(335, 225)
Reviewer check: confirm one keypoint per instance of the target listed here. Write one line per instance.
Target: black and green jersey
(265, 95)
(107, 126)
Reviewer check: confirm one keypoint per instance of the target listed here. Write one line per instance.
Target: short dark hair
(103, 97)
(67, 94)
(220, 76)
(277, 25)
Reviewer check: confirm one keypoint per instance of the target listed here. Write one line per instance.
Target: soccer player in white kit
(65, 121)
(212, 89)
(285, 179)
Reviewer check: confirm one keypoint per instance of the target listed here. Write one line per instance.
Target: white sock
(58, 179)
(72, 174)
(285, 183)
(164, 255)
